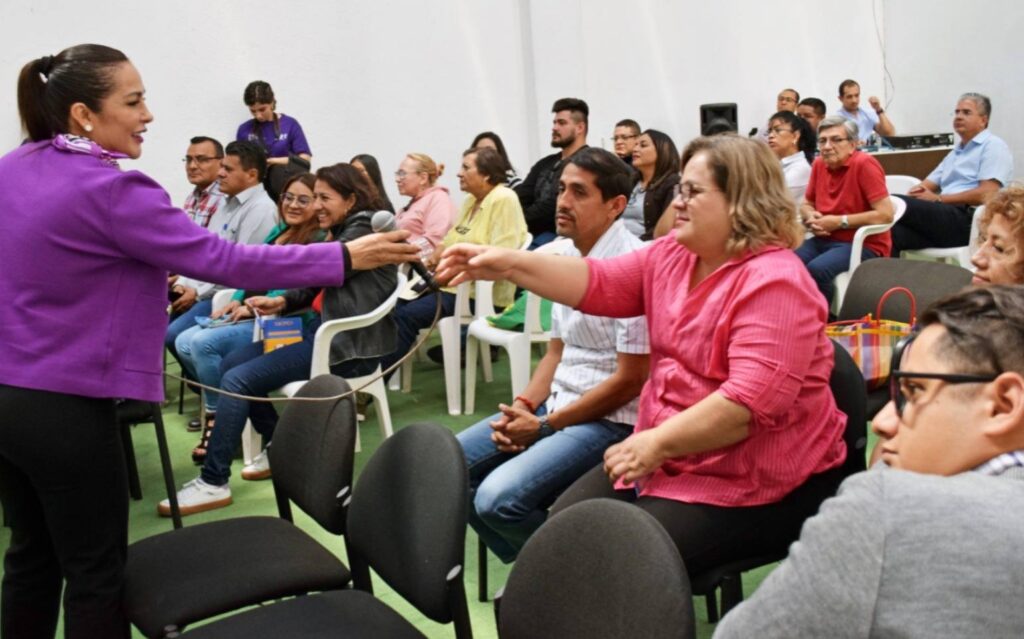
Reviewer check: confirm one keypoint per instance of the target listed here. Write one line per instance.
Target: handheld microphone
(384, 221)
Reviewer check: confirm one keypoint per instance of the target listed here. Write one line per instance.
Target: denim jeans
(541, 239)
(181, 323)
(825, 259)
(250, 371)
(200, 351)
(413, 316)
(512, 491)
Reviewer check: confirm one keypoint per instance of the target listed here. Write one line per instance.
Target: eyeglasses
(896, 391)
(786, 98)
(302, 200)
(688, 191)
(199, 159)
(833, 141)
(400, 175)
(623, 138)
(778, 130)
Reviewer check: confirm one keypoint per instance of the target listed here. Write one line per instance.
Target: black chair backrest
(313, 452)
(928, 281)
(408, 515)
(848, 388)
(600, 568)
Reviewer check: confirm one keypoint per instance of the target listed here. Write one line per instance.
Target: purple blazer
(85, 249)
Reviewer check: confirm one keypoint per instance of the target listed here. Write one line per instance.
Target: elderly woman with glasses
(846, 191)
(430, 211)
(738, 438)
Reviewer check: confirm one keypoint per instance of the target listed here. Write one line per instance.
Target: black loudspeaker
(718, 118)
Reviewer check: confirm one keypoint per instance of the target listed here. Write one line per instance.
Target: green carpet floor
(425, 403)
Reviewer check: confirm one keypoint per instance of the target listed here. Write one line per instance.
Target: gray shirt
(900, 554)
(633, 214)
(245, 218)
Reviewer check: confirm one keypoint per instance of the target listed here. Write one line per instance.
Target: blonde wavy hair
(1008, 202)
(762, 211)
(428, 166)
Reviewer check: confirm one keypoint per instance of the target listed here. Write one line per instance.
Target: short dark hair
(807, 142)
(48, 86)
(577, 108)
(984, 328)
(493, 137)
(847, 83)
(631, 124)
(250, 155)
(612, 176)
(666, 160)
(816, 104)
(258, 92)
(218, 148)
(347, 180)
(488, 164)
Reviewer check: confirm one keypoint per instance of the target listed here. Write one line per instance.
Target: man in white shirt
(868, 122)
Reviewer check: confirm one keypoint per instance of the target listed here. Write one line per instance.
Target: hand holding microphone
(377, 249)
(383, 222)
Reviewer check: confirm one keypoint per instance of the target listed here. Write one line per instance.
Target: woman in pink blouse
(430, 211)
(738, 438)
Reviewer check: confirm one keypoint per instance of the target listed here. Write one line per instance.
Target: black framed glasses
(199, 159)
(899, 399)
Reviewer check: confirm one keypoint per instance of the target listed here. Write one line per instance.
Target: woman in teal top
(202, 347)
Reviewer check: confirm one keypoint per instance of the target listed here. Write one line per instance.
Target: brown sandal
(199, 452)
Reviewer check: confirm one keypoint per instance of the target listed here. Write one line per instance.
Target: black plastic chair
(928, 281)
(407, 521)
(129, 413)
(195, 573)
(848, 387)
(601, 568)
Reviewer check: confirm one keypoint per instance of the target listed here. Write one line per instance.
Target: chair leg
(181, 397)
(732, 592)
(519, 363)
(711, 602)
(380, 394)
(481, 569)
(252, 443)
(165, 464)
(472, 348)
(134, 487)
(449, 329)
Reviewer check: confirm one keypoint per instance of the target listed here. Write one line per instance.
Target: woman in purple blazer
(84, 257)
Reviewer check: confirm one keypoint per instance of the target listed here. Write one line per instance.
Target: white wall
(402, 75)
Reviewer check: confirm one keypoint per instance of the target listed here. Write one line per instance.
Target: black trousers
(931, 225)
(64, 491)
(709, 536)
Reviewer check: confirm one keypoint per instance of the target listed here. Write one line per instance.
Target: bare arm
(558, 278)
(885, 125)
(666, 222)
(973, 197)
(881, 212)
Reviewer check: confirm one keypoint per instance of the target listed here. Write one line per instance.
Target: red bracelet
(529, 404)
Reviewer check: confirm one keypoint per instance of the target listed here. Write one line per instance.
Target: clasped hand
(515, 430)
(635, 457)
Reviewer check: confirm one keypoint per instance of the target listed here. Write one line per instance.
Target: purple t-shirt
(290, 141)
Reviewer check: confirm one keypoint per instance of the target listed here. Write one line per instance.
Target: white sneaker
(259, 468)
(197, 496)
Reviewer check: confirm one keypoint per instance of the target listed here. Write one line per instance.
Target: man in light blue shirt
(940, 209)
(868, 122)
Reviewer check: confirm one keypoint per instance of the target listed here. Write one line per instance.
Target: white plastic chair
(900, 184)
(517, 343)
(450, 329)
(842, 280)
(322, 358)
(959, 254)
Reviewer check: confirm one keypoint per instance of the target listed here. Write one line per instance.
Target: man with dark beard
(539, 191)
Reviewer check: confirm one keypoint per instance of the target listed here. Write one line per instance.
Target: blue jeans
(412, 316)
(541, 239)
(250, 371)
(200, 351)
(181, 323)
(512, 491)
(825, 259)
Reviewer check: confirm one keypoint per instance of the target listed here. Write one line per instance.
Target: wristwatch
(844, 222)
(544, 428)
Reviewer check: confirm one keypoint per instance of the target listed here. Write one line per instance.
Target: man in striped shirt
(927, 543)
(582, 397)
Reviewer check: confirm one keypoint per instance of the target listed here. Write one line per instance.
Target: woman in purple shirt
(83, 271)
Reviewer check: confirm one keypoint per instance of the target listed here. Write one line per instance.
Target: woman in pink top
(738, 438)
(430, 212)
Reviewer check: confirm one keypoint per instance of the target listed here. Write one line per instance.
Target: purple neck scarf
(78, 144)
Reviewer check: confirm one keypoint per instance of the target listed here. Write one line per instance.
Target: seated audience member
(624, 137)
(247, 216)
(785, 101)
(813, 111)
(868, 122)
(344, 202)
(538, 192)
(490, 216)
(656, 161)
(738, 438)
(430, 211)
(279, 135)
(491, 139)
(928, 543)
(202, 164)
(790, 139)
(583, 396)
(846, 191)
(940, 209)
(368, 166)
(201, 349)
